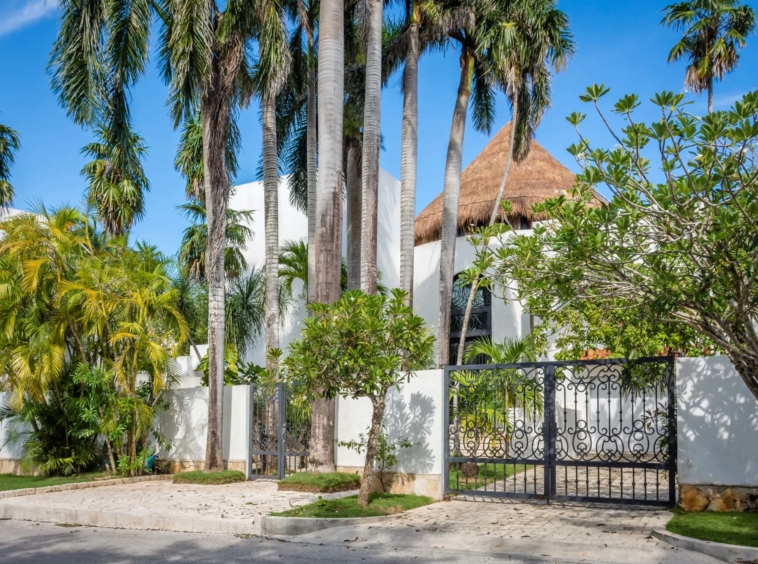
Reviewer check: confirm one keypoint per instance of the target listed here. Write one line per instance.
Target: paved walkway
(565, 532)
(231, 508)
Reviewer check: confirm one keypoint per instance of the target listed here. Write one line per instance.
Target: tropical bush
(89, 327)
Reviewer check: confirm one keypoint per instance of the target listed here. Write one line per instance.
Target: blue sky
(619, 43)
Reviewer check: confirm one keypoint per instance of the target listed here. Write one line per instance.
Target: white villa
(538, 177)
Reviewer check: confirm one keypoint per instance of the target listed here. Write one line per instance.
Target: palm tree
(371, 142)
(476, 77)
(714, 30)
(270, 74)
(522, 48)
(192, 251)
(100, 52)
(117, 193)
(246, 309)
(10, 142)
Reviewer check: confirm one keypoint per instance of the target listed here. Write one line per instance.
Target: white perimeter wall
(415, 411)
(7, 452)
(185, 423)
(718, 424)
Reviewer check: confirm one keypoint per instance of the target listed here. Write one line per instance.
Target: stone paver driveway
(162, 505)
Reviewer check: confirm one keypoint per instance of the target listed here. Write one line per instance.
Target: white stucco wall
(185, 424)
(415, 412)
(293, 226)
(718, 424)
(7, 451)
(508, 316)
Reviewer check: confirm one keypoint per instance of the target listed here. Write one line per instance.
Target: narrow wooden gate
(600, 430)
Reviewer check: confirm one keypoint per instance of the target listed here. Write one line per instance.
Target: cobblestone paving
(242, 502)
(555, 522)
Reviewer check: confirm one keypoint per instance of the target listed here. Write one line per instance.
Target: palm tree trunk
(271, 212)
(378, 405)
(371, 141)
(451, 193)
(216, 196)
(710, 95)
(312, 172)
(354, 217)
(493, 218)
(409, 160)
(331, 89)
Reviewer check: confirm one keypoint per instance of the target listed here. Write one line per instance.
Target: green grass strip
(379, 504)
(316, 482)
(730, 528)
(209, 478)
(13, 482)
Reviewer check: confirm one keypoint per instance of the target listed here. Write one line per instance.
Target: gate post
(281, 430)
(446, 431)
(249, 419)
(548, 432)
(672, 430)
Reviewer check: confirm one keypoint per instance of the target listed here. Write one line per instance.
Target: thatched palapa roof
(535, 179)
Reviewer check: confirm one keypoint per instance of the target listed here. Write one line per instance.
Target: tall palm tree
(116, 187)
(523, 48)
(270, 74)
(404, 46)
(714, 30)
(10, 142)
(328, 240)
(99, 54)
(371, 142)
(476, 79)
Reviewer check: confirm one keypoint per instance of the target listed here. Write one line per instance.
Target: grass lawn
(316, 482)
(379, 504)
(486, 474)
(729, 528)
(13, 482)
(209, 478)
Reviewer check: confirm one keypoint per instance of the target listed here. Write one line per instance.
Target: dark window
(479, 323)
(525, 223)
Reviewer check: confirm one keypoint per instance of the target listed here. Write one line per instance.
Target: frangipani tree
(360, 347)
(680, 241)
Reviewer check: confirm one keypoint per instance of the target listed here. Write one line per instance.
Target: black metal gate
(280, 430)
(595, 430)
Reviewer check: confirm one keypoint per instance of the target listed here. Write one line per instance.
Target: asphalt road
(24, 542)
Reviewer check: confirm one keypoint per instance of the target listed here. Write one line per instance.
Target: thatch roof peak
(535, 179)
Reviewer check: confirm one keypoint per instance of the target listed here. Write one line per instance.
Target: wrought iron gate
(596, 430)
(280, 431)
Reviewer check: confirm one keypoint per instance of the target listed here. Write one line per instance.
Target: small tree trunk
(450, 197)
(409, 159)
(354, 217)
(371, 141)
(377, 415)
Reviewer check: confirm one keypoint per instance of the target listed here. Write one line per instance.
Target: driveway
(227, 509)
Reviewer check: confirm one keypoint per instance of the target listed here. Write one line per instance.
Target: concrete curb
(290, 526)
(115, 520)
(726, 552)
(84, 485)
